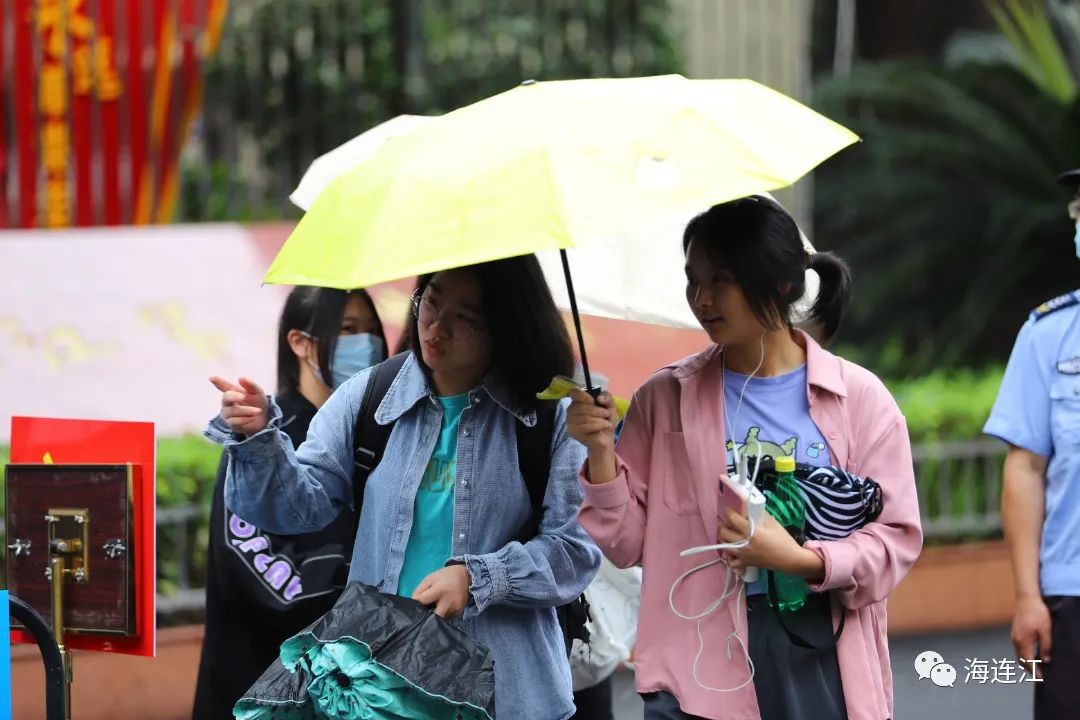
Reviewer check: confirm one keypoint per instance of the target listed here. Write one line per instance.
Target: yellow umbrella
(548, 165)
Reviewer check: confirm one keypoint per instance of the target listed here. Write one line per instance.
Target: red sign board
(36, 440)
(104, 94)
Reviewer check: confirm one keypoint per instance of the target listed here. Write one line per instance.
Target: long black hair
(529, 342)
(317, 312)
(756, 240)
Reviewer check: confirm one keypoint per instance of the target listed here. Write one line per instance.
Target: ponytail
(833, 295)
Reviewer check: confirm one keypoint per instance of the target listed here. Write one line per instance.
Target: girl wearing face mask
(263, 588)
(444, 510)
(708, 646)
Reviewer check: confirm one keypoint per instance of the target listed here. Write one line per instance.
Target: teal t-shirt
(432, 535)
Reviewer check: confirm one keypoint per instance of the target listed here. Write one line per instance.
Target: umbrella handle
(594, 391)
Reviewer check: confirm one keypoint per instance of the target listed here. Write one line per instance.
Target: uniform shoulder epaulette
(1059, 303)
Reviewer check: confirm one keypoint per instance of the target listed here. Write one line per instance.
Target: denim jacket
(515, 587)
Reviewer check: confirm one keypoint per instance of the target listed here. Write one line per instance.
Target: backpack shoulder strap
(534, 462)
(369, 437)
(534, 459)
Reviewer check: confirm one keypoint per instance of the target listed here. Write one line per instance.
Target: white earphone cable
(738, 586)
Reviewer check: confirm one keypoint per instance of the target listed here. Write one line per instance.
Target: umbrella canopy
(643, 277)
(375, 657)
(346, 156)
(547, 166)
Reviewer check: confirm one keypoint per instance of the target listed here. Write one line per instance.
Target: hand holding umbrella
(591, 421)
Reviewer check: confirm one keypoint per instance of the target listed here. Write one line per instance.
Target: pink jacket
(666, 498)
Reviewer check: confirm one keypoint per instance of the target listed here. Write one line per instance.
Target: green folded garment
(375, 656)
(347, 684)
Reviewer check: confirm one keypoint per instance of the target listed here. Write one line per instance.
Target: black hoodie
(261, 588)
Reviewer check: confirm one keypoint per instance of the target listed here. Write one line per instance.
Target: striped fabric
(836, 502)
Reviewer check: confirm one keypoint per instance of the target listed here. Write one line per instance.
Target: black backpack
(534, 462)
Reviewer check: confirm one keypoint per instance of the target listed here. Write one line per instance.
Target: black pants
(793, 683)
(664, 706)
(790, 683)
(594, 703)
(1057, 696)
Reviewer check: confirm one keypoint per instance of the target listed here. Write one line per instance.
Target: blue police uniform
(1038, 409)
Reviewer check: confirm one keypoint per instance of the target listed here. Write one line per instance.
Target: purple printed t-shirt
(773, 420)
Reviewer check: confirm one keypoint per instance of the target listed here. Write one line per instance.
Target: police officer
(1037, 413)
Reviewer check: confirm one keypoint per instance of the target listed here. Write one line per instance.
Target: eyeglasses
(457, 326)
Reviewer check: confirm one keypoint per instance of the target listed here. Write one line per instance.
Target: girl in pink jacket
(709, 643)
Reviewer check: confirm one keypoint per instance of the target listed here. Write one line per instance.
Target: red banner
(3, 133)
(160, 117)
(91, 84)
(80, 33)
(25, 105)
(105, 52)
(3, 139)
(51, 27)
(136, 107)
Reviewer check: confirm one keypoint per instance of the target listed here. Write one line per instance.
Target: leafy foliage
(187, 467)
(948, 210)
(1029, 26)
(947, 405)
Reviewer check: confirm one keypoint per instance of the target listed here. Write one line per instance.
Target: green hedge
(186, 470)
(952, 406)
(947, 405)
(941, 406)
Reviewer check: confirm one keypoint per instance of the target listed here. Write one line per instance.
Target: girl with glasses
(446, 516)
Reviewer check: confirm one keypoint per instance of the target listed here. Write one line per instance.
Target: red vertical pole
(26, 112)
(110, 121)
(80, 63)
(137, 110)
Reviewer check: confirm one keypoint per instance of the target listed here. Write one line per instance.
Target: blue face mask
(1076, 240)
(354, 353)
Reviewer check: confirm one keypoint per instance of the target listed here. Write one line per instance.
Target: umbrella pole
(577, 323)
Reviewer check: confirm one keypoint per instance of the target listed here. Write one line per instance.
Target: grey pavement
(921, 699)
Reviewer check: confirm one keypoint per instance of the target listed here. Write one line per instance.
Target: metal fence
(182, 539)
(959, 488)
(294, 78)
